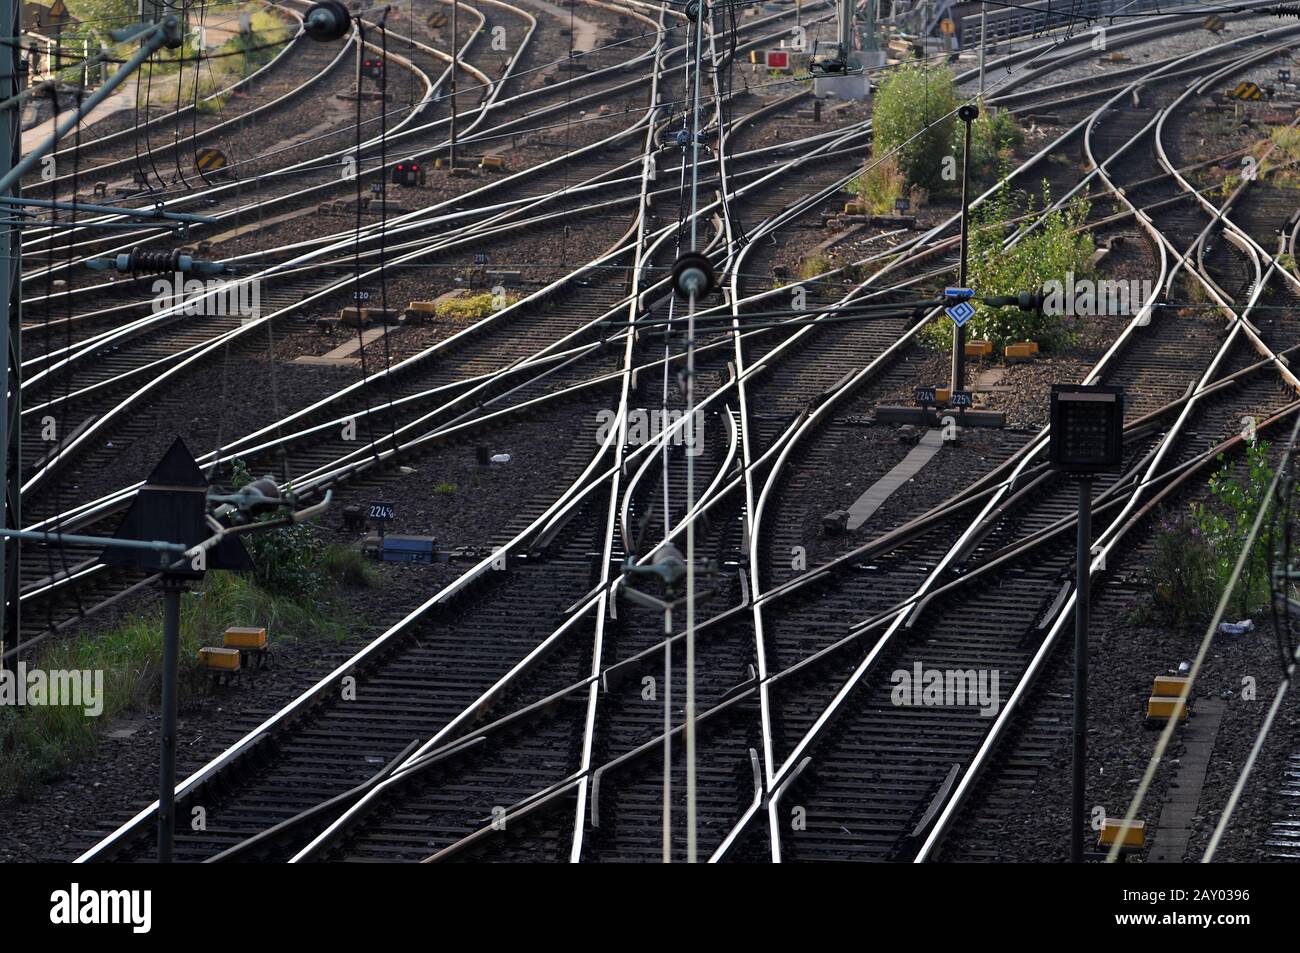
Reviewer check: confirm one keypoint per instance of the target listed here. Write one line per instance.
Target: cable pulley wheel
(327, 21)
(693, 274)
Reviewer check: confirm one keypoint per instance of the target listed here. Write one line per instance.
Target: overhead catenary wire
(489, 137)
(701, 7)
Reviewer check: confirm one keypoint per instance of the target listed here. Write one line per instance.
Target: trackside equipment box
(408, 549)
(244, 637)
(219, 660)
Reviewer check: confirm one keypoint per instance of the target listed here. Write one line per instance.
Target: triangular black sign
(170, 508)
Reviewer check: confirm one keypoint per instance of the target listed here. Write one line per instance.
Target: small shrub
(1054, 248)
(1283, 164)
(1184, 588)
(995, 135)
(287, 560)
(349, 566)
(912, 113)
(1225, 520)
(814, 265)
(880, 186)
(212, 105)
(1195, 553)
(444, 489)
(38, 744)
(471, 307)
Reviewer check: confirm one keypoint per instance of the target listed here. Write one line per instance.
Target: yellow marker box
(219, 660)
(1159, 709)
(1169, 686)
(1135, 836)
(239, 637)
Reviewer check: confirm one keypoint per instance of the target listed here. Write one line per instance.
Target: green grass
(881, 185)
(40, 744)
(814, 265)
(350, 567)
(223, 67)
(472, 307)
(104, 15)
(1049, 253)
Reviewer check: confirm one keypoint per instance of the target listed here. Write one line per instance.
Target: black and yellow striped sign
(210, 160)
(1247, 91)
(436, 20)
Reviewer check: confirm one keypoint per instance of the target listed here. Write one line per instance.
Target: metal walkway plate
(884, 488)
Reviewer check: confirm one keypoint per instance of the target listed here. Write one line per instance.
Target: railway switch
(668, 569)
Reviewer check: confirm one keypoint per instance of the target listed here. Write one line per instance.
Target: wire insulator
(1285, 10)
(146, 261)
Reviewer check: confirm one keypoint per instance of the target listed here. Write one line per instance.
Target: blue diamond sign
(961, 312)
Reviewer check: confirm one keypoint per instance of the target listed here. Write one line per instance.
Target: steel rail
(177, 115)
(1121, 523)
(797, 753)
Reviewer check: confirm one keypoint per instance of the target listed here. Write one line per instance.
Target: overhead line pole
(11, 83)
(984, 42)
(691, 857)
(13, 166)
(455, 67)
(967, 114)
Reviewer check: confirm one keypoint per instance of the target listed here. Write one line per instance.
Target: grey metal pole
(846, 28)
(701, 11)
(984, 42)
(11, 329)
(967, 114)
(172, 587)
(455, 67)
(692, 436)
(668, 735)
(1082, 559)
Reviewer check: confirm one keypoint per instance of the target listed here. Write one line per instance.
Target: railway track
(541, 745)
(519, 350)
